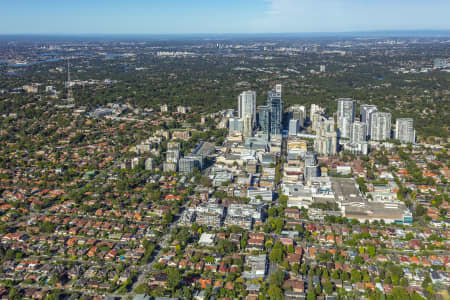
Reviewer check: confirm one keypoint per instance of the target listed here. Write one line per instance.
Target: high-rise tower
(276, 111)
(404, 130)
(345, 116)
(247, 105)
(380, 126)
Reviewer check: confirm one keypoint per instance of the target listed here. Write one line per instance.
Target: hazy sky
(220, 16)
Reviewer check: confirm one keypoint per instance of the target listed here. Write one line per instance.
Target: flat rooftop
(346, 190)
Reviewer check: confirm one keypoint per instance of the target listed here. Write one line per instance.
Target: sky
(219, 16)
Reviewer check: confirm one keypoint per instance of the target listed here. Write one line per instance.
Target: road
(147, 268)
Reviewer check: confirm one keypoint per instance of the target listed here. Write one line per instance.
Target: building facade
(276, 112)
(366, 111)
(345, 116)
(380, 126)
(247, 105)
(404, 130)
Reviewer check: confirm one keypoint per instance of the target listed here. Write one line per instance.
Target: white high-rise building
(299, 113)
(366, 111)
(358, 132)
(294, 126)
(380, 126)
(315, 116)
(345, 116)
(278, 88)
(404, 130)
(325, 142)
(247, 105)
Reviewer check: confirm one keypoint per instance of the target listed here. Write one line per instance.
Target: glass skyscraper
(276, 112)
(264, 118)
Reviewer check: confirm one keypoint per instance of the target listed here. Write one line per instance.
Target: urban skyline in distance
(219, 17)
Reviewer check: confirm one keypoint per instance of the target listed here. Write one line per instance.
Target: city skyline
(253, 16)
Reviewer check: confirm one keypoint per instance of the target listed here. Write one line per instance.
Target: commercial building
(298, 112)
(187, 165)
(276, 112)
(264, 118)
(242, 215)
(210, 215)
(235, 125)
(294, 126)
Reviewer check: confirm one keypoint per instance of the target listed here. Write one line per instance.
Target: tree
(426, 282)
(304, 269)
(335, 274)
(275, 293)
(404, 282)
(14, 293)
(356, 275)
(311, 295)
(205, 181)
(173, 278)
(143, 288)
(371, 251)
(362, 185)
(318, 289)
(328, 288)
(283, 200)
(276, 255)
(277, 278)
(168, 217)
(290, 249)
(47, 227)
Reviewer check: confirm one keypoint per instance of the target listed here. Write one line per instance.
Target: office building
(264, 118)
(380, 126)
(294, 126)
(235, 125)
(366, 111)
(186, 165)
(404, 130)
(298, 112)
(276, 111)
(247, 105)
(345, 116)
(311, 172)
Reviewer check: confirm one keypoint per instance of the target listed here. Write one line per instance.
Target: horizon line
(447, 31)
